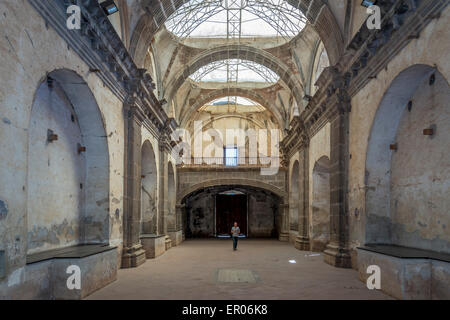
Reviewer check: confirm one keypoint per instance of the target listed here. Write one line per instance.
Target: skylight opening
(234, 71)
(233, 100)
(236, 19)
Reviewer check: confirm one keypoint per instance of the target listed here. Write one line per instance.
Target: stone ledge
(407, 277)
(406, 252)
(176, 237)
(77, 251)
(154, 245)
(47, 279)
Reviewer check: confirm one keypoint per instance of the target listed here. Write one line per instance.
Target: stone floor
(259, 269)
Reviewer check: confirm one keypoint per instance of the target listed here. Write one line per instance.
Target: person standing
(235, 231)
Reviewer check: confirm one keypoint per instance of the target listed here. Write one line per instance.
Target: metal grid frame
(265, 73)
(286, 20)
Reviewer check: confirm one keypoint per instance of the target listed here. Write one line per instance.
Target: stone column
(177, 233)
(163, 190)
(133, 254)
(302, 240)
(283, 210)
(337, 251)
(179, 214)
(162, 197)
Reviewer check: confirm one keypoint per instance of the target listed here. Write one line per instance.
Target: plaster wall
(262, 214)
(425, 50)
(420, 173)
(319, 147)
(56, 173)
(29, 58)
(190, 178)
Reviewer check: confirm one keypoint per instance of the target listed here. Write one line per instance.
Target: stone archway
(205, 208)
(68, 166)
(220, 93)
(182, 194)
(407, 167)
(239, 52)
(320, 206)
(317, 12)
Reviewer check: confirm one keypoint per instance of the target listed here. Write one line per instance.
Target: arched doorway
(258, 217)
(407, 163)
(68, 166)
(320, 206)
(149, 199)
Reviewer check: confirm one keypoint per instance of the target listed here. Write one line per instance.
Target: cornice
(99, 46)
(367, 54)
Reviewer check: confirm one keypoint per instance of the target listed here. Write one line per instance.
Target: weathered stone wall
(56, 173)
(425, 50)
(29, 57)
(294, 196)
(201, 216)
(262, 214)
(149, 190)
(420, 177)
(192, 179)
(318, 149)
(320, 205)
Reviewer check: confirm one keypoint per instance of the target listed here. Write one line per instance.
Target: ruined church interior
(135, 134)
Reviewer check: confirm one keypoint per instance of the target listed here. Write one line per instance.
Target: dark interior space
(211, 212)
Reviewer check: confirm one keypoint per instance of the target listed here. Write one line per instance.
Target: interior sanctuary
(135, 133)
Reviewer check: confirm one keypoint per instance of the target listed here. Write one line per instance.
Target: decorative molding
(100, 47)
(366, 55)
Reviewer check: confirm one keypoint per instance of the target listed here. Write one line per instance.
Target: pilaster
(133, 254)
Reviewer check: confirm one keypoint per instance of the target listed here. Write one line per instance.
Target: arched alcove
(406, 167)
(68, 166)
(320, 219)
(294, 197)
(149, 192)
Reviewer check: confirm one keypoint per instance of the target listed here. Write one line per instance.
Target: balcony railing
(231, 162)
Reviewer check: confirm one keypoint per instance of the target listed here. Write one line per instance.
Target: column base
(284, 236)
(168, 243)
(153, 244)
(337, 256)
(133, 257)
(302, 243)
(176, 237)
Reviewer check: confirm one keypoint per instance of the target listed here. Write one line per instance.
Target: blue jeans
(235, 240)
